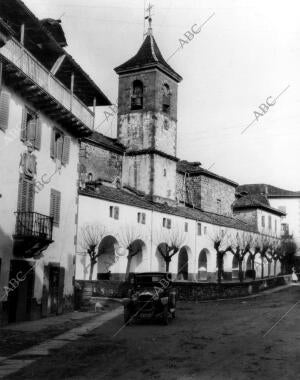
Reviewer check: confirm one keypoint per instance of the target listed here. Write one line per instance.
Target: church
(136, 195)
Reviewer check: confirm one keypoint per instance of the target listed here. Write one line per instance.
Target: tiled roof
(124, 197)
(254, 201)
(105, 141)
(194, 168)
(271, 191)
(148, 55)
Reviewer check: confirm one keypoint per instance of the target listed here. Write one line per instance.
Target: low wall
(186, 290)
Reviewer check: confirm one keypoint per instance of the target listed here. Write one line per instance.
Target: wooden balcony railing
(33, 224)
(25, 61)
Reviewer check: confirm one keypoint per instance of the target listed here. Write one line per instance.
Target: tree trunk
(129, 259)
(241, 270)
(262, 267)
(220, 266)
(168, 260)
(93, 262)
(275, 264)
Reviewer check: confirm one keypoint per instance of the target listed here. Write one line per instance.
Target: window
(166, 98)
(222, 233)
(186, 227)
(31, 128)
(26, 194)
(263, 221)
(219, 206)
(137, 95)
(60, 146)
(205, 230)
(165, 172)
(114, 212)
(199, 229)
(270, 222)
(285, 229)
(4, 110)
(141, 217)
(167, 223)
(90, 177)
(55, 200)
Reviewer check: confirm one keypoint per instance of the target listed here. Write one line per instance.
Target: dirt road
(214, 340)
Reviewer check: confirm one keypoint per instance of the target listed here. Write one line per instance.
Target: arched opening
(137, 95)
(160, 251)
(107, 256)
(202, 265)
(235, 268)
(183, 264)
(137, 250)
(249, 264)
(166, 98)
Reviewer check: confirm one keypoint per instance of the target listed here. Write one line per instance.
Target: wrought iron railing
(33, 224)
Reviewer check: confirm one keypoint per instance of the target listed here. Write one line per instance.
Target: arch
(235, 267)
(166, 98)
(202, 264)
(183, 264)
(137, 95)
(107, 250)
(139, 249)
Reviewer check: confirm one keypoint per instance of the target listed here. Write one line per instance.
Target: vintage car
(150, 296)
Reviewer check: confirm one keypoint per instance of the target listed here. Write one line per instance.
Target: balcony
(27, 75)
(33, 233)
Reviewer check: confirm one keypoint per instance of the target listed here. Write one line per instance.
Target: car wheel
(127, 316)
(166, 315)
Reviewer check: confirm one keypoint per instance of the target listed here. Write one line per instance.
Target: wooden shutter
(66, 150)
(24, 124)
(38, 131)
(55, 198)
(116, 212)
(26, 195)
(143, 218)
(52, 144)
(4, 110)
(61, 286)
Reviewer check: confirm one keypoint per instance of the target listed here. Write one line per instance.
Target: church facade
(140, 194)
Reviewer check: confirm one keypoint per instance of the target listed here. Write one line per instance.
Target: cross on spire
(149, 18)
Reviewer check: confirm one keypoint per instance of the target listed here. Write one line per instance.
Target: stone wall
(102, 163)
(248, 216)
(186, 290)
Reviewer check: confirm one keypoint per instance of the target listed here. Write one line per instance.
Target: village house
(143, 195)
(47, 104)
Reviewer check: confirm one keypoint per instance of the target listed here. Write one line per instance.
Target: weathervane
(149, 18)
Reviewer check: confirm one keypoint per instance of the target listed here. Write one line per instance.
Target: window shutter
(23, 125)
(38, 131)
(4, 110)
(26, 195)
(66, 150)
(55, 206)
(116, 212)
(52, 144)
(143, 218)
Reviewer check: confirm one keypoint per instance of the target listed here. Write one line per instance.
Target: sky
(245, 55)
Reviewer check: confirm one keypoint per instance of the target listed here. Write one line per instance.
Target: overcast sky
(246, 52)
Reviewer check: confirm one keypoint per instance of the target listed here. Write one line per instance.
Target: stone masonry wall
(249, 216)
(102, 163)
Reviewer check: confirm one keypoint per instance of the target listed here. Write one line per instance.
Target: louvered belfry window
(55, 200)
(60, 146)
(4, 110)
(31, 128)
(26, 195)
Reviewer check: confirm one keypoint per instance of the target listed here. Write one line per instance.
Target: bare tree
(169, 242)
(131, 238)
(240, 246)
(222, 244)
(90, 236)
(255, 249)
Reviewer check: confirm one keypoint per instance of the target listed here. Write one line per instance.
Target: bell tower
(147, 121)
